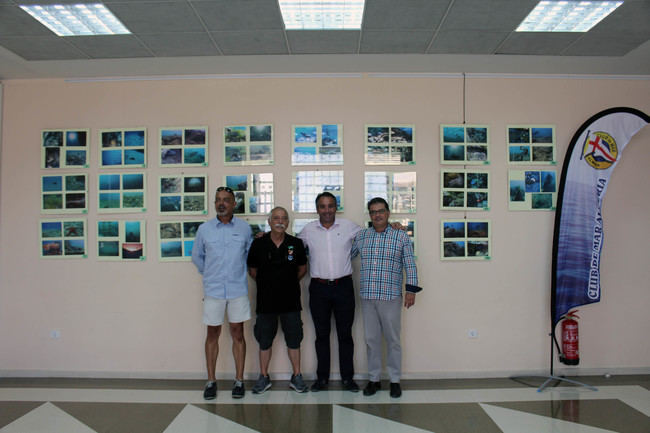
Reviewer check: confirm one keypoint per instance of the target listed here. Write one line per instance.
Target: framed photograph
(317, 144)
(183, 195)
(248, 145)
(465, 239)
(183, 146)
(409, 224)
(308, 184)
(531, 144)
(464, 144)
(253, 192)
(64, 193)
(532, 190)
(464, 190)
(65, 148)
(176, 239)
(121, 240)
(121, 193)
(397, 188)
(390, 144)
(258, 225)
(120, 148)
(63, 238)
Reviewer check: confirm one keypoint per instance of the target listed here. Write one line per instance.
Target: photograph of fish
(71, 197)
(51, 183)
(194, 156)
(464, 144)
(52, 138)
(235, 134)
(176, 239)
(194, 203)
(330, 135)
(235, 154)
(170, 230)
(453, 229)
(194, 184)
(478, 249)
(111, 157)
(453, 179)
(111, 138)
(532, 190)
(195, 136)
(63, 238)
(75, 201)
(531, 144)
(240, 202)
(453, 134)
(543, 153)
(77, 158)
(173, 150)
(132, 200)
(171, 137)
(123, 147)
(171, 156)
(52, 201)
(188, 195)
(519, 135)
(465, 239)
(108, 229)
(477, 180)
(401, 135)
(170, 203)
(261, 133)
(305, 134)
(453, 199)
(377, 134)
(519, 153)
(190, 228)
(134, 138)
(134, 157)
(237, 182)
(170, 185)
(477, 200)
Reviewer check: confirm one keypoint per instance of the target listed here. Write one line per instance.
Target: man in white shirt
(329, 241)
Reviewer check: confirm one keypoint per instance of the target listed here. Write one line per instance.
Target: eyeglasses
(377, 212)
(225, 188)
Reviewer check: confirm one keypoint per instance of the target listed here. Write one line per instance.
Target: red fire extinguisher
(570, 352)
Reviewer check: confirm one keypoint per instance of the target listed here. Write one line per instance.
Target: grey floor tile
(123, 417)
(12, 410)
(605, 414)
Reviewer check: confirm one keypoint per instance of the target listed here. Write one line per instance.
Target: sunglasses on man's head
(225, 188)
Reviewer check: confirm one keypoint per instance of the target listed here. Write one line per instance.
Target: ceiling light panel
(567, 16)
(322, 15)
(77, 19)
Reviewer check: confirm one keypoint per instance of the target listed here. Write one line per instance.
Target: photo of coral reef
(390, 144)
(65, 193)
(121, 240)
(465, 239)
(176, 239)
(531, 144)
(248, 145)
(62, 238)
(123, 148)
(317, 144)
(532, 190)
(464, 190)
(184, 146)
(64, 148)
(464, 144)
(183, 195)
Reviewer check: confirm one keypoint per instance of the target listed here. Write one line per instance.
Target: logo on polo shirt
(290, 252)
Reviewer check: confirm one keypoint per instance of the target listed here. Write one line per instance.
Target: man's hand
(397, 225)
(409, 299)
(259, 235)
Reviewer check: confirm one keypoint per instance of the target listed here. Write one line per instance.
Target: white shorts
(214, 310)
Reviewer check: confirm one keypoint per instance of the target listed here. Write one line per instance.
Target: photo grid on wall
(248, 145)
(64, 193)
(253, 192)
(123, 148)
(464, 189)
(121, 240)
(121, 192)
(531, 144)
(65, 148)
(464, 144)
(176, 239)
(465, 239)
(63, 238)
(184, 146)
(183, 194)
(397, 188)
(317, 144)
(390, 144)
(308, 184)
(532, 189)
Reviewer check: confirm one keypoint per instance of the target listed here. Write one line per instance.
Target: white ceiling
(211, 37)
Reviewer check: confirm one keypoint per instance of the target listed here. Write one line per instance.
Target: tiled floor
(621, 404)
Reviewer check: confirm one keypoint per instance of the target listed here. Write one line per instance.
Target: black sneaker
(371, 388)
(319, 385)
(238, 389)
(350, 385)
(395, 390)
(210, 391)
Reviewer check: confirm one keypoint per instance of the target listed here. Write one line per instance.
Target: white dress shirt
(329, 249)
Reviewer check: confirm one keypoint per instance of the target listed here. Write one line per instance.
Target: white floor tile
(46, 418)
(195, 420)
(346, 420)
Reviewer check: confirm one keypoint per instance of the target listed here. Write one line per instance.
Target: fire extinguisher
(570, 353)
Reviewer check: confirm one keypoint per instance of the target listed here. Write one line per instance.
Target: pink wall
(144, 319)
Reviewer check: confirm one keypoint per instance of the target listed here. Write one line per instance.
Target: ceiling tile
(110, 47)
(323, 42)
(631, 18)
(179, 44)
(495, 15)
(537, 43)
(395, 42)
(403, 15)
(258, 42)
(603, 45)
(157, 17)
(239, 15)
(466, 42)
(16, 22)
(41, 48)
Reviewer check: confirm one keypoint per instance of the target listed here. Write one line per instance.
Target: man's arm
(302, 270)
(408, 261)
(252, 272)
(198, 252)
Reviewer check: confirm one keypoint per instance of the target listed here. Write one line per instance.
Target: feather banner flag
(594, 151)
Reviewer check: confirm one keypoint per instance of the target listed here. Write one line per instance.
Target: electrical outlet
(472, 333)
(55, 334)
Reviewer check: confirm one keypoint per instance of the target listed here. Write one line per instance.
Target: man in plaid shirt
(385, 253)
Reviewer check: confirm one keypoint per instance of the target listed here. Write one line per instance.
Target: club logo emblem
(600, 150)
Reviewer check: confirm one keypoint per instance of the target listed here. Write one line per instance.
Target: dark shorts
(266, 327)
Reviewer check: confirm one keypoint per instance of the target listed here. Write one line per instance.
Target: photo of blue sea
(330, 135)
(188, 248)
(134, 138)
(108, 229)
(171, 249)
(75, 157)
(109, 181)
(75, 247)
(132, 231)
(51, 229)
(134, 157)
(542, 135)
(133, 181)
(454, 229)
(109, 200)
(548, 181)
(306, 134)
(453, 134)
(111, 157)
(194, 156)
(517, 190)
(75, 138)
(52, 183)
(108, 249)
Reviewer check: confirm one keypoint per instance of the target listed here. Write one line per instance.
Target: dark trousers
(325, 299)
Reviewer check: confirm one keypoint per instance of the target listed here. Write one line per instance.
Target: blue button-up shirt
(219, 253)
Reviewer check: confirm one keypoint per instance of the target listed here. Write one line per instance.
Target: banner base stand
(564, 379)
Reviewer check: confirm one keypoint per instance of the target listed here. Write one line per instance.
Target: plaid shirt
(384, 256)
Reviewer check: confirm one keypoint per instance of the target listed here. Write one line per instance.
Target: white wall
(144, 319)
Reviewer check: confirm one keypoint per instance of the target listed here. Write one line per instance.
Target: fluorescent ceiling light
(567, 16)
(322, 15)
(77, 19)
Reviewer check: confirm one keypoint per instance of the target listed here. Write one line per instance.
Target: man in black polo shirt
(277, 262)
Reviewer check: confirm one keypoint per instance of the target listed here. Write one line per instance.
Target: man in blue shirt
(385, 253)
(219, 253)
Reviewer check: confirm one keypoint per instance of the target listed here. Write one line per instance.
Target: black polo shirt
(278, 288)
